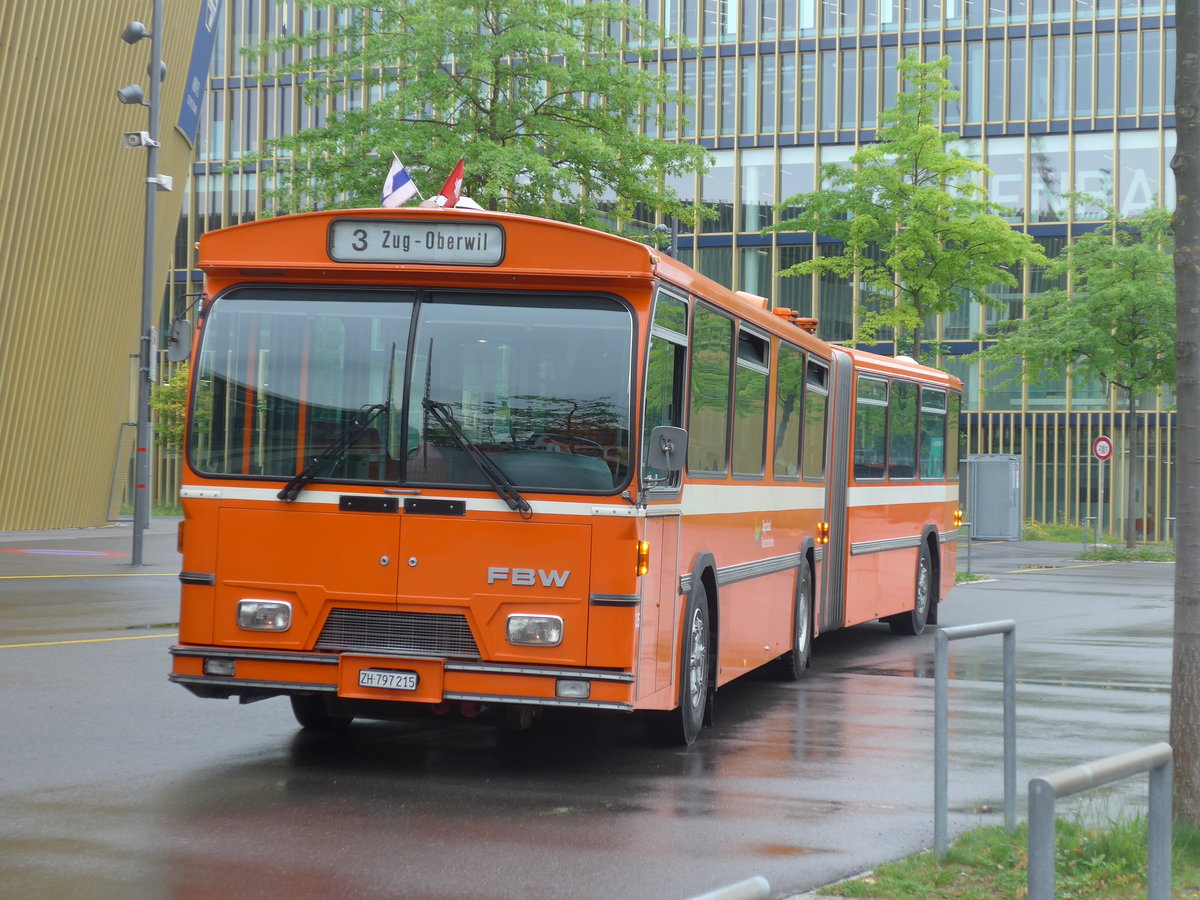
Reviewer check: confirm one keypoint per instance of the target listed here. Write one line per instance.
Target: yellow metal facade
(72, 205)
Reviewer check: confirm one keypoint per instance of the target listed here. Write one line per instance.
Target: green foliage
(539, 96)
(1090, 864)
(168, 401)
(1059, 530)
(919, 234)
(1116, 318)
(1123, 554)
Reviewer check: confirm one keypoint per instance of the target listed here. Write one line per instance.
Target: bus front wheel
(313, 714)
(679, 727)
(924, 597)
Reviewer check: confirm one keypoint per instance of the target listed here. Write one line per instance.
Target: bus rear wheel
(678, 727)
(791, 666)
(924, 598)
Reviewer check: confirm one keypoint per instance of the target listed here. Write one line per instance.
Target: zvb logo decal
(528, 577)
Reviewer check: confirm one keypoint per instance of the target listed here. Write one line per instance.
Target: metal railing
(1155, 759)
(941, 718)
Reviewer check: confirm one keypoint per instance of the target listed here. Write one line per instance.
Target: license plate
(388, 679)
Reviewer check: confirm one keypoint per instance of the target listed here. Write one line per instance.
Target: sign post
(1102, 449)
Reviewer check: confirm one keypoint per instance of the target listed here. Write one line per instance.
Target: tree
(1115, 319)
(542, 97)
(1185, 670)
(168, 399)
(920, 235)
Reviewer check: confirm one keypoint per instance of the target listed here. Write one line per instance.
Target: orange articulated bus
(456, 462)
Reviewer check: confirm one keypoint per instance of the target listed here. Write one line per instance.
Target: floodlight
(133, 32)
(132, 93)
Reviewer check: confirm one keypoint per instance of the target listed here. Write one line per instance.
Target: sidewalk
(120, 530)
(998, 557)
(103, 548)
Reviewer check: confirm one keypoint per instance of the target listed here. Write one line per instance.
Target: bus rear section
(404, 490)
(893, 544)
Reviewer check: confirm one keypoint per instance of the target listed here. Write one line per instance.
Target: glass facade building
(1056, 96)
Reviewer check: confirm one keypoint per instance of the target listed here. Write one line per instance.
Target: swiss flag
(452, 190)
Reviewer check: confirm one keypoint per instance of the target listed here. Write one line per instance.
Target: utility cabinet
(994, 497)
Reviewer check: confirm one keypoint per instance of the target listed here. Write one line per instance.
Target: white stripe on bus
(697, 499)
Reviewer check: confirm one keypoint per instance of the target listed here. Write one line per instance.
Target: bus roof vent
(804, 322)
(906, 359)
(753, 299)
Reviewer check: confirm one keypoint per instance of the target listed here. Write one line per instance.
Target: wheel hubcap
(923, 588)
(802, 619)
(697, 661)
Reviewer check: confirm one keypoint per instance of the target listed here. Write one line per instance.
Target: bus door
(666, 369)
(660, 602)
(841, 408)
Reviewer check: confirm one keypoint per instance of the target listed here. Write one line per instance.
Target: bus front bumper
(250, 675)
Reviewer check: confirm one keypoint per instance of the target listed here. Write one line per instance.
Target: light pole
(155, 182)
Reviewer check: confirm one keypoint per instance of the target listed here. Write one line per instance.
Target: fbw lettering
(528, 577)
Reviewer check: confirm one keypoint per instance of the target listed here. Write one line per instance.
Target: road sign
(1102, 448)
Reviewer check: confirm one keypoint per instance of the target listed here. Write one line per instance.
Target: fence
(1155, 759)
(941, 718)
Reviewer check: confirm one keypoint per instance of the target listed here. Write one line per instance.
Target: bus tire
(678, 727)
(791, 666)
(313, 714)
(924, 598)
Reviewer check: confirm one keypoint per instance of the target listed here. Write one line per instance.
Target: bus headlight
(264, 615)
(539, 631)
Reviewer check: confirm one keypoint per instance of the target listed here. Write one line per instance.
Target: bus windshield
(311, 380)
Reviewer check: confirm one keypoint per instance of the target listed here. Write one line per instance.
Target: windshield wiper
(335, 450)
(344, 441)
(500, 482)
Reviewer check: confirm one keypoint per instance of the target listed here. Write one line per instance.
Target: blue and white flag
(398, 188)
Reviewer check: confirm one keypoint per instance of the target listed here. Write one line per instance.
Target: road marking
(1085, 565)
(139, 637)
(109, 575)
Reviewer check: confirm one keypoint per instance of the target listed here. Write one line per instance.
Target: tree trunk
(916, 332)
(1185, 672)
(1130, 472)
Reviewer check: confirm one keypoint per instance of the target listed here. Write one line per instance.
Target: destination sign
(422, 243)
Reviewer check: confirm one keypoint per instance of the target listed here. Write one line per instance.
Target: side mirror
(179, 344)
(668, 448)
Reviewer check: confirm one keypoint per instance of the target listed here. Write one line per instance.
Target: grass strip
(1106, 863)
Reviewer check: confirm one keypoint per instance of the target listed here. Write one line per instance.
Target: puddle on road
(781, 850)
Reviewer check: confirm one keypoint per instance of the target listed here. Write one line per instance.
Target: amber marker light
(643, 557)
(958, 516)
(822, 532)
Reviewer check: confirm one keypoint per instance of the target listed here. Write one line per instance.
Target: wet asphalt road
(115, 783)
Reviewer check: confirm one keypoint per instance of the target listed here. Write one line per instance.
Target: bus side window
(816, 404)
(789, 392)
(952, 436)
(666, 366)
(870, 428)
(902, 430)
(708, 408)
(750, 406)
(933, 434)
